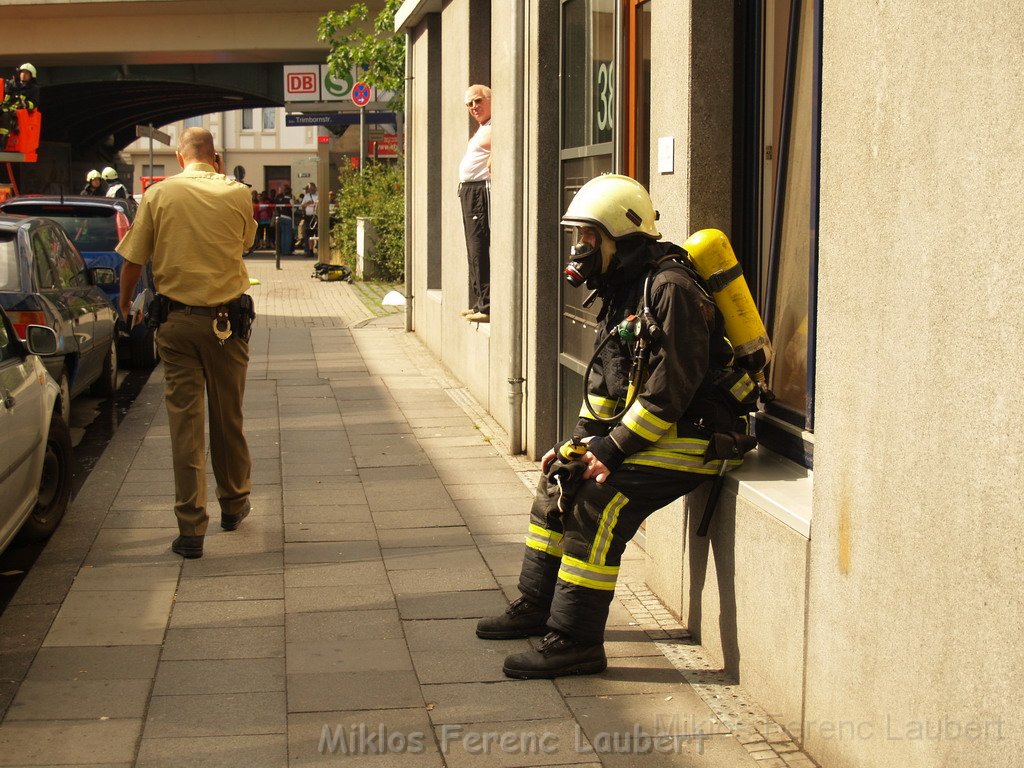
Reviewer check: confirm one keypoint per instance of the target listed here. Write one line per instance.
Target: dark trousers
(572, 560)
(196, 363)
(475, 199)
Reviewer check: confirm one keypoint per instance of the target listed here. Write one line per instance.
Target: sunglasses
(473, 102)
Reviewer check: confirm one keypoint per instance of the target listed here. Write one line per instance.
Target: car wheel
(144, 351)
(106, 384)
(54, 484)
(65, 396)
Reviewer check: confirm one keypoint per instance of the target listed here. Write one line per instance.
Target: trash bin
(285, 236)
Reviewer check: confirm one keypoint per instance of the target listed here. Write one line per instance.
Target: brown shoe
(231, 522)
(190, 547)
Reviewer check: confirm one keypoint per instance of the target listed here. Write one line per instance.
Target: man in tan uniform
(195, 227)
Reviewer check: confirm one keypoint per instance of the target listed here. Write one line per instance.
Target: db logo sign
(302, 82)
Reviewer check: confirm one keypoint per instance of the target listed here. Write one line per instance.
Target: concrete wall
(915, 587)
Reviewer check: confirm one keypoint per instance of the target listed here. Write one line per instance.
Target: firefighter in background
(664, 411)
(94, 185)
(114, 186)
(20, 92)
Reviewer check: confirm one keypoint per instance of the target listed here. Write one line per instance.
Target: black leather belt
(177, 306)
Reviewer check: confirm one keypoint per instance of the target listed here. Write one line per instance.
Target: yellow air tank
(713, 257)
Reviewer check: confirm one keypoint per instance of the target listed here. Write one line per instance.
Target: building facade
(864, 159)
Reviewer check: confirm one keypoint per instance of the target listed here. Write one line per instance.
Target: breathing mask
(591, 255)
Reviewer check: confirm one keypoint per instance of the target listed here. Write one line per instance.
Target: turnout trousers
(197, 364)
(571, 562)
(475, 198)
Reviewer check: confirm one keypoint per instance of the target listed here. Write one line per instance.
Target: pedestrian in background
(94, 185)
(194, 227)
(475, 196)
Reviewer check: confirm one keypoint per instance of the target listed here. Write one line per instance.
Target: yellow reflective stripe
(605, 526)
(680, 462)
(742, 388)
(692, 445)
(644, 423)
(543, 540)
(603, 407)
(588, 574)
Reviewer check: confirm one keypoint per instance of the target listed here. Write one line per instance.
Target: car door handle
(8, 399)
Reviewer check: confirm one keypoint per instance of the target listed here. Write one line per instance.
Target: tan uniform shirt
(194, 226)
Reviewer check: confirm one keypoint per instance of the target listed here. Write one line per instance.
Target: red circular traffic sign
(360, 94)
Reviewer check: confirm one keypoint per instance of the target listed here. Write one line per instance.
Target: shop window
(247, 119)
(787, 238)
(638, 139)
(269, 118)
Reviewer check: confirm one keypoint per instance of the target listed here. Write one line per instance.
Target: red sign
(386, 146)
(323, 139)
(302, 82)
(361, 94)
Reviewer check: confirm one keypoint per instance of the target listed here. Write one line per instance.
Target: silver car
(35, 444)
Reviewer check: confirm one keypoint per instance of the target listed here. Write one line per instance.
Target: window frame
(778, 427)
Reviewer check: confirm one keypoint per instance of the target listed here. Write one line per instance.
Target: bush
(379, 195)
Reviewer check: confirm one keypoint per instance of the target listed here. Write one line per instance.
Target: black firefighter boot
(521, 619)
(557, 656)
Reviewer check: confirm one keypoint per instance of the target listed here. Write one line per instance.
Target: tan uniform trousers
(194, 360)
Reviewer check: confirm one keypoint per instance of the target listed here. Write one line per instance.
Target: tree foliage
(380, 52)
(377, 194)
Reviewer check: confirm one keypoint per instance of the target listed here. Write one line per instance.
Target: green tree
(376, 194)
(380, 52)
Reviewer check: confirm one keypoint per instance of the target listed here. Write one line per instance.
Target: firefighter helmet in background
(619, 205)
(712, 256)
(91, 175)
(109, 173)
(28, 68)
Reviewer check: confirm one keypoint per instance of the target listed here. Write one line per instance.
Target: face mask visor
(585, 255)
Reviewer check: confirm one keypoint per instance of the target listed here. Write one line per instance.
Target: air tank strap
(720, 280)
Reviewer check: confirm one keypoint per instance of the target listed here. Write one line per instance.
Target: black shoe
(188, 546)
(230, 522)
(521, 619)
(558, 655)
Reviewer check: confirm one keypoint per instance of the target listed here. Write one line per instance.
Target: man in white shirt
(475, 195)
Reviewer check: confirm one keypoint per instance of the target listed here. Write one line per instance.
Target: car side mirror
(103, 276)
(41, 340)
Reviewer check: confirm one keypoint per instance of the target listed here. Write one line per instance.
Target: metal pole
(362, 140)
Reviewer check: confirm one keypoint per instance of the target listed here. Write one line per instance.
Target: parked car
(35, 444)
(44, 281)
(96, 225)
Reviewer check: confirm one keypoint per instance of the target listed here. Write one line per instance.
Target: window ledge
(782, 488)
(434, 295)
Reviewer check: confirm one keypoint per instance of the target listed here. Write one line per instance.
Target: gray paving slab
(358, 597)
(348, 513)
(331, 552)
(65, 742)
(452, 605)
(393, 738)
(418, 518)
(219, 714)
(208, 676)
(305, 532)
(134, 662)
(251, 587)
(418, 538)
(348, 655)
(459, 558)
(270, 750)
(322, 626)
(194, 643)
(526, 743)
(131, 546)
(431, 580)
(227, 613)
(229, 562)
(494, 702)
(48, 700)
(111, 618)
(329, 575)
(322, 692)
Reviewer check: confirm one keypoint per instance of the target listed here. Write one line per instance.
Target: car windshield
(9, 271)
(90, 228)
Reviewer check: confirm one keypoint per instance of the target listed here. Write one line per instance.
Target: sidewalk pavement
(338, 619)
